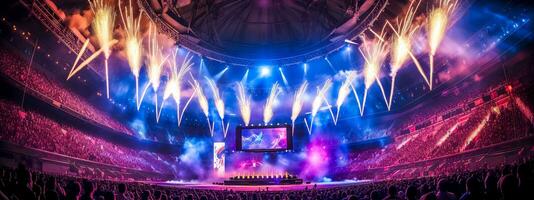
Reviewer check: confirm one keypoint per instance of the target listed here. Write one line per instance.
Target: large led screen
(263, 138)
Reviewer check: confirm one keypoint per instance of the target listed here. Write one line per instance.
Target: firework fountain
(437, 23)
(317, 102)
(103, 24)
(268, 110)
(155, 61)
(244, 103)
(401, 46)
(174, 84)
(134, 51)
(374, 52)
(219, 104)
(203, 102)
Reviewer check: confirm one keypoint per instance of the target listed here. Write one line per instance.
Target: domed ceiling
(245, 32)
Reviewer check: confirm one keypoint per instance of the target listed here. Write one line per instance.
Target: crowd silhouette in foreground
(509, 182)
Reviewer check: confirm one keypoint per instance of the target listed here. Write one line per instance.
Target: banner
(218, 158)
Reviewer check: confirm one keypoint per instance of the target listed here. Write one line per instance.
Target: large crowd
(482, 126)
(508, 182)
(32, 129)
(17, 68)
(448, 100)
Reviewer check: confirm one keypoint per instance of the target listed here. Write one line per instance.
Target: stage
(209, 186)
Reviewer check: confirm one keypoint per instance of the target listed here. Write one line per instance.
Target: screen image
(218, 158)
(264, 139)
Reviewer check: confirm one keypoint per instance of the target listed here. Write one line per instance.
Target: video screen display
(264, 139)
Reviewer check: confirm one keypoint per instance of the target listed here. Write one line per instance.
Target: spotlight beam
(245, 77)
(330, 64)
(286, 83)
(220, 74)
(351, 42)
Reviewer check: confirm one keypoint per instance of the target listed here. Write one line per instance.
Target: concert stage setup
(263, 180)
(222, 99)
(295, 187)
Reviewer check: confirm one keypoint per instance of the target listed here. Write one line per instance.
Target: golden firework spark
(155, 61)
(203, 102)
(373, 52)
(174, 85)
(298, 102)
(437, 23)
(103, 23)
(134, 51)
(219, 104)
(403, 33)
(244, 103)
(155, 58)
(401, 45)
(344, 91)
(268, 111)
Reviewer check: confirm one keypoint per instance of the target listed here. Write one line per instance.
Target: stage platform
(209, 186)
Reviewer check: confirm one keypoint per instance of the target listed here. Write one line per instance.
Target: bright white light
(265, 71)
(350, 41)
(283, 76)
(221, 73)
(305, 68)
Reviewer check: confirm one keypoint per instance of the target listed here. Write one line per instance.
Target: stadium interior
(266, 99)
